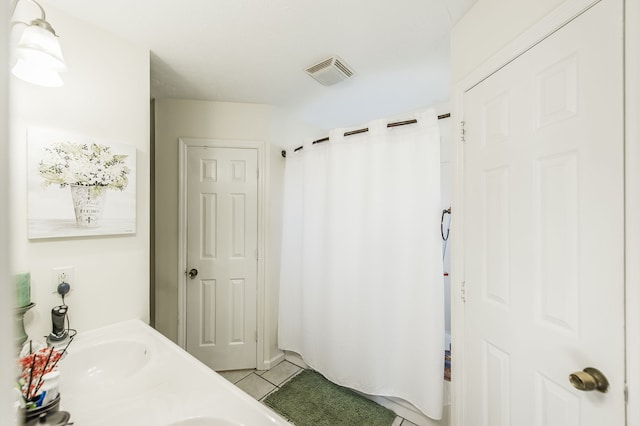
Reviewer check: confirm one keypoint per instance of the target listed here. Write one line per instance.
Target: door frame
(632, 205)
(555, 20)
(260, 147)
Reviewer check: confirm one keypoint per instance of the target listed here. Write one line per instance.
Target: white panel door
(543, 231)
(222, 197)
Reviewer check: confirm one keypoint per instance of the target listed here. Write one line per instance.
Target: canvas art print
(79, 186)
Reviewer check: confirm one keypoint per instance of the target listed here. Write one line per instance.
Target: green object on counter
(23, 289)
(20, 333)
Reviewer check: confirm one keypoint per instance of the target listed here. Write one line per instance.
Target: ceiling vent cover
(330, 71)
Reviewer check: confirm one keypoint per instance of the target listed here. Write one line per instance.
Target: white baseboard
(268, 364)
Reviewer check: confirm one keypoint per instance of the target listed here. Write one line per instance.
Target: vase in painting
(88, 204)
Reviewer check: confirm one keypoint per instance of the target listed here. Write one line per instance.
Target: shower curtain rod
(366, 129)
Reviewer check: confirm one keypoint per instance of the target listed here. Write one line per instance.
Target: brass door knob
(589, 379)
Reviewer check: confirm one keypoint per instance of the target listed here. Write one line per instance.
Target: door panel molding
(261, 323)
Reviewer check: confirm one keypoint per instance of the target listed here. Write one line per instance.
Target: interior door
(222, 185)
(543, 231)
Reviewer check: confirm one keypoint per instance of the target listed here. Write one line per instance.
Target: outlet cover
(62, 274)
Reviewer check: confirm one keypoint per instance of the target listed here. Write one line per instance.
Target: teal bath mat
(311, 400)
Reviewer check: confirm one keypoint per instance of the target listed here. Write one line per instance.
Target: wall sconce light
(39, 55)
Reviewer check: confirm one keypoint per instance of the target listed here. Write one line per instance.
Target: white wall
(6, 291)
(105, 96)
(490, 25)
(216, 120)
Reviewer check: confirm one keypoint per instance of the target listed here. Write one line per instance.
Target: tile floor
(259, 384)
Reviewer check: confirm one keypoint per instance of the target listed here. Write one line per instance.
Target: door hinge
(256, 335)
(258, 173)
(257, 255)
(462, 130)
(463, 291)
(626, 393)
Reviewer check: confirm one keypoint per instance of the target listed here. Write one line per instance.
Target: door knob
(192, 273)
(589, 379)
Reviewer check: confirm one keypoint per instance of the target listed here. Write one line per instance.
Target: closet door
(543, 232)
(222, 256)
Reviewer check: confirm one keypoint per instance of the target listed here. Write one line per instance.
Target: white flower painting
(79, 186)
(85, 164)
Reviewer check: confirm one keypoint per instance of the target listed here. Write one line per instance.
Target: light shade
(39, 55)
(34, 74)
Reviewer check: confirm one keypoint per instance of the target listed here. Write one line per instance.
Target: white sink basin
(130, 374)
(104, 363)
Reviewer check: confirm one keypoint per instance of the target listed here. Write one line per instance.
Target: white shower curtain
(361, 291)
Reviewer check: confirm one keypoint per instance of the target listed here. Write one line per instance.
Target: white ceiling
(256, 51)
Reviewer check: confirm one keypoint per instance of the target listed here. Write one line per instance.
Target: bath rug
(311, 400)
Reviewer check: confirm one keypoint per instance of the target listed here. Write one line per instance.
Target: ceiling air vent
(330, 71)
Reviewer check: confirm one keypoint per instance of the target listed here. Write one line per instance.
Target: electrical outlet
(62, 274)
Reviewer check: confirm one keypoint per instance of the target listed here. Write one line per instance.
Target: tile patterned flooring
(259, 384)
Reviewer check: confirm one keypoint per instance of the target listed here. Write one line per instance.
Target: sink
(104, 363)
(204, 421)
(127, 373)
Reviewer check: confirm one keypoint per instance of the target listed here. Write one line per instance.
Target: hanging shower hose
(445, 238)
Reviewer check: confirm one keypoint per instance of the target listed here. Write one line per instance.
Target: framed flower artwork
(79, 186)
